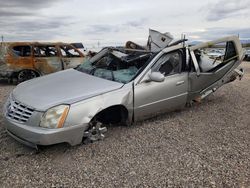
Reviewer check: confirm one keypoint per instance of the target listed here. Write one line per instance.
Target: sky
(113, 22)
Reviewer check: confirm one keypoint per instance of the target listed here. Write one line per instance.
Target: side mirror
(156, 77)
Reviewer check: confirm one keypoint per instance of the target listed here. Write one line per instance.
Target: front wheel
(26, 75)
(94, 133)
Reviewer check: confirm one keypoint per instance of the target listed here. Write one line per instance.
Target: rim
(95, 132)
(26, 75)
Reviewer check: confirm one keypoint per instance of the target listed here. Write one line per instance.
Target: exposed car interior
(169, 63)
(45, 51)
(69, 51)
(213, 58)
(116, 64)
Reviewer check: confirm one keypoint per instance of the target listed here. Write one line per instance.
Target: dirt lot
(207, 145)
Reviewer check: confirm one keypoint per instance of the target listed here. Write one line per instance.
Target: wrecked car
(26, 60)
(118, 85)
(247, 55)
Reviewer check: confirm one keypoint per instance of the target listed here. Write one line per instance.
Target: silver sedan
(118, 85)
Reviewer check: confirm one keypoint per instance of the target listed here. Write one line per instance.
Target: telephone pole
(2, 40)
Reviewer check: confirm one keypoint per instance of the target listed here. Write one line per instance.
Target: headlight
(55, 117)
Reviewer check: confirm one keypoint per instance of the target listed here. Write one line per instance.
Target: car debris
(156, 41)
(247, 55)
(77, 45)
(118, 85)
(22, 61)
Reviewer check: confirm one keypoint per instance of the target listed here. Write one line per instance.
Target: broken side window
(23, 51)
(169, 64)
(45, 51)
(213, 57)
(69, 51)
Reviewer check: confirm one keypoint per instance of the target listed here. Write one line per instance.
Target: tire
(25, 75)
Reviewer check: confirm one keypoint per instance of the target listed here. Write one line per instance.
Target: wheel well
(113, 115)
(37, 73)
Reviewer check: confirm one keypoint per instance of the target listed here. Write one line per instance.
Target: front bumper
(33, 136)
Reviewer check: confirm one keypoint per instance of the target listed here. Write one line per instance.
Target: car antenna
(184, 40)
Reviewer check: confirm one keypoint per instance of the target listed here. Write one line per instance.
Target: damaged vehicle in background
(118, 85)
(247, 55)
(26, 60)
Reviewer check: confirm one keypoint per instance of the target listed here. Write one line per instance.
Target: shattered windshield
(115, 64)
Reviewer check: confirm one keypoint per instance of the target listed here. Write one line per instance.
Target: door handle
(180, 82)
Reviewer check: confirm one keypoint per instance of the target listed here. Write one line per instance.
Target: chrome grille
(18, 111)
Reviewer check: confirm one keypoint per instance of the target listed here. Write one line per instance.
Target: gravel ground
(207, 145)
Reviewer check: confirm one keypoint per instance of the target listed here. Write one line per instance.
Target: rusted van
(26, 60)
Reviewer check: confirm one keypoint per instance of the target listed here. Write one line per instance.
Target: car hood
(65, 87)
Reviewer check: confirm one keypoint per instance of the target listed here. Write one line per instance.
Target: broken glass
(115, 65)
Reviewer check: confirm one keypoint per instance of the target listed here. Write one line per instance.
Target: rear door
(157, 97)
(211, 67)
(71, 57)
(46, 59)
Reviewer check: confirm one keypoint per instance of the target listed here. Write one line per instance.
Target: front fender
(82, 112)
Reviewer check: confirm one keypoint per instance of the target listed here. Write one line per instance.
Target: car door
(209, 68)
(46, 58)
(151, 97)
(71, 57)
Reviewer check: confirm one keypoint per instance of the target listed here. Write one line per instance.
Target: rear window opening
(212, 58)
